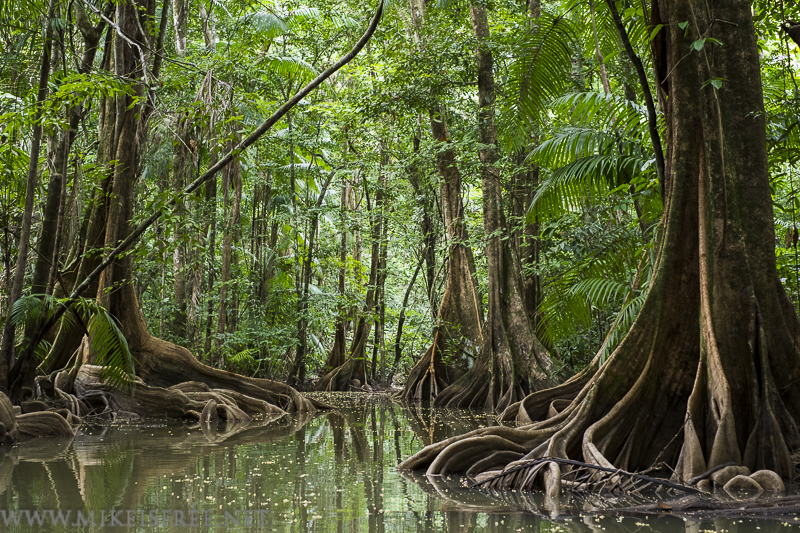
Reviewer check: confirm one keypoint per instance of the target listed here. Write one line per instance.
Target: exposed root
(428, 377)
(580, 477)
(352, 373)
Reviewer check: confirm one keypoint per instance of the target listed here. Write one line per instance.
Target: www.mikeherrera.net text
(132, 517)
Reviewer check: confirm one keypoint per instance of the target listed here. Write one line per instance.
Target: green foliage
(106, 342)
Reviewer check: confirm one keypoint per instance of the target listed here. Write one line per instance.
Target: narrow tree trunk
(211, 217)
(425, 198)
(231, 178)
(337, 355)
(7, 342)
(180, 19)
(511, 356)
(179, 273)
(209, 25)
(297, 374)
(354, 370)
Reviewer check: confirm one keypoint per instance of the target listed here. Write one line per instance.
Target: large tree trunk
(460, 315)
(710, 370)
(511, 356)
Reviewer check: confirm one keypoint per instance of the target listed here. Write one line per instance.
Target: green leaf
(698, 44)
(655, 31)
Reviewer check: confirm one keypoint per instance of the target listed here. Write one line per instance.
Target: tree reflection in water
(324, 473)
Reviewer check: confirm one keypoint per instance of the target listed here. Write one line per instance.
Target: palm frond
(290, 67)
(266, 23)
(596, 108)
(601, 279)
(540, 72)
(570, 186)
(31, 308)
(108, 344)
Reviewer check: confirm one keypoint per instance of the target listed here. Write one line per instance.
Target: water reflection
(332, 472)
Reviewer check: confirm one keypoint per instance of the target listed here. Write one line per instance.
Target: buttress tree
(132, 52)
(710, 370)
(510, 362)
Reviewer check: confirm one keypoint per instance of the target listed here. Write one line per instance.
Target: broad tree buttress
(710, 370)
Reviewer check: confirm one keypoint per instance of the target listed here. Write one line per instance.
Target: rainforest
(315, 265)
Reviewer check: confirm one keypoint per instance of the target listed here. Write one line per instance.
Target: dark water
(331, 472)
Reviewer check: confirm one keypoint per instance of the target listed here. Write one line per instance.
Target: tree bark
(180, 19)
(354, 369)
(460, 316)
(710, 370)
(7, 342)
(511, 355)
(337, 355)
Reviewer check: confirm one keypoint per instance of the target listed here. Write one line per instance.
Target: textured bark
(460, 315)
(7, 341)
(180, 19)
(709, 372)
(511, 356)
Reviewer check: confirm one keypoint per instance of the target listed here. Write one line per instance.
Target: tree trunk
(180, 19)
(7, 341)
(337, 355)
(297, 374)
(712, 358)
(354, 369)
(179, 274)
(426, 199)
(460, 316)
(231, 179)
(90, 249)
(157, 362)
(511, 355)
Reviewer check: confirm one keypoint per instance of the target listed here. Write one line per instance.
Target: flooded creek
(333, 472)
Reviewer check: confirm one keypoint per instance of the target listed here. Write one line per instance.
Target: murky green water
(332, 472)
